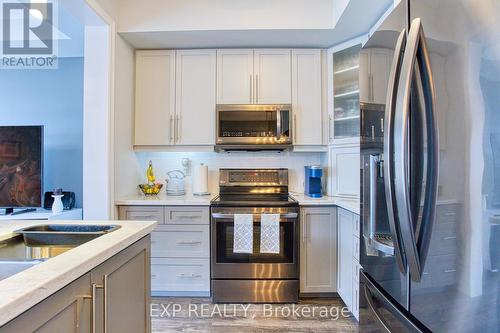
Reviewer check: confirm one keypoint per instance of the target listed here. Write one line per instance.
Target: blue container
(313, 174)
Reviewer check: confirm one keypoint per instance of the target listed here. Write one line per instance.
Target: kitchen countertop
(23, 290)
(164, 200)
(351, 205)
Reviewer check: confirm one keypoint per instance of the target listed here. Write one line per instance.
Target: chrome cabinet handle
(192, 275)
(172, 128)
(450, 237)
(416, 68)
(105, 292)
(178, 127)
(256, 89)
(94, 295)
(188, 242)
(294, 128)
(389, 167)
(251, 94)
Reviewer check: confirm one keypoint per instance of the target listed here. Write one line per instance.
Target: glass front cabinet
(344, 92)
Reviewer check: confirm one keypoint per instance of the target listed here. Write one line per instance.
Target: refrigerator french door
(431, 191)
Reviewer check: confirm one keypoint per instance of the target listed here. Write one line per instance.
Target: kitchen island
(99, 265)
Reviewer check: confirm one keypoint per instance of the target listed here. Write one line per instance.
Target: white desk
(45, 214)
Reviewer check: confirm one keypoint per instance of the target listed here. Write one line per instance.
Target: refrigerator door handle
(416, 70)
(393, 318)
(371, 306)
(390, 111)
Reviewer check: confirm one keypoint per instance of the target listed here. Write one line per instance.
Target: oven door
(253, 124)
(229, 265)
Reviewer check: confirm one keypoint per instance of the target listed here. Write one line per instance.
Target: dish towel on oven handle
(270, 233)
(243, 233)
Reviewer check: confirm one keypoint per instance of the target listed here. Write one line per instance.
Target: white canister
(200, 179)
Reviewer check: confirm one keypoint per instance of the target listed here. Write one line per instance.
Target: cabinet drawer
(187, 215)
(444, 239)
(142, 213)
(439, 271)
(355, 248)
(180, 274)
(447, 213)
(181, 241)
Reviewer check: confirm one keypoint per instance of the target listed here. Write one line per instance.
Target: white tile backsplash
(295, 162)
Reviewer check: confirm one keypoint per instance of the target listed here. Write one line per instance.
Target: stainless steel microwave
(254, 126)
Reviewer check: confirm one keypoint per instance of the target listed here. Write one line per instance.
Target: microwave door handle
(389, 167)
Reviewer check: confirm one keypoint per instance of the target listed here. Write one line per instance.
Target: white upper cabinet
(380, 66)
(306, 96)
(273, 78)
(195, 97)
(155, 98)
(235, 78)
(345, 171)
(374, 67)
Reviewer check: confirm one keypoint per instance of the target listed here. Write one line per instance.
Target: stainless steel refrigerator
(430, 249)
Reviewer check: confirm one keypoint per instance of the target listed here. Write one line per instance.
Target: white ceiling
(357, 19)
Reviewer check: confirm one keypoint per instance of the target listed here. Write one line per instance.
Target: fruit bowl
(151, 189)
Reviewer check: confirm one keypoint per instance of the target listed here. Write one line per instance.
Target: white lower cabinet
(318, 250)
(348, 259)
(180, 248)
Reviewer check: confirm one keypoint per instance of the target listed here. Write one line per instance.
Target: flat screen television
(21, 166)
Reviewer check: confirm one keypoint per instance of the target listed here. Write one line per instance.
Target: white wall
(183, 15)
(126, 164)
(96, 124)
(164, 162)
(52, 98)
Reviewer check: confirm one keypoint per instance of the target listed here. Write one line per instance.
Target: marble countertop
(351, 205)
(191, 200)
(23, 290)
(164, 200)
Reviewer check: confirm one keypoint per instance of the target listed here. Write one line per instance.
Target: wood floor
(200, 315)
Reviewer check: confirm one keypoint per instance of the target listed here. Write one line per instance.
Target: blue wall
(53, 98)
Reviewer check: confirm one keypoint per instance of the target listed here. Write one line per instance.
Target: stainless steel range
(254, 277)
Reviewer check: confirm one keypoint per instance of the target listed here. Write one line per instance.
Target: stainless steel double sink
(33, 245)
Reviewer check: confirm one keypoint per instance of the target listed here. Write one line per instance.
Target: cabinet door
(195, 97)
(154, 98)
(123, 290)
(380, 66)
(345, 169)
(318, 254)
(235, 78)
(273, 77)
(345, 256)
(306, 96)
(364, 76)
(68, 310)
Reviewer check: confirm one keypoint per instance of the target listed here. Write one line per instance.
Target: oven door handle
(231, 216)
